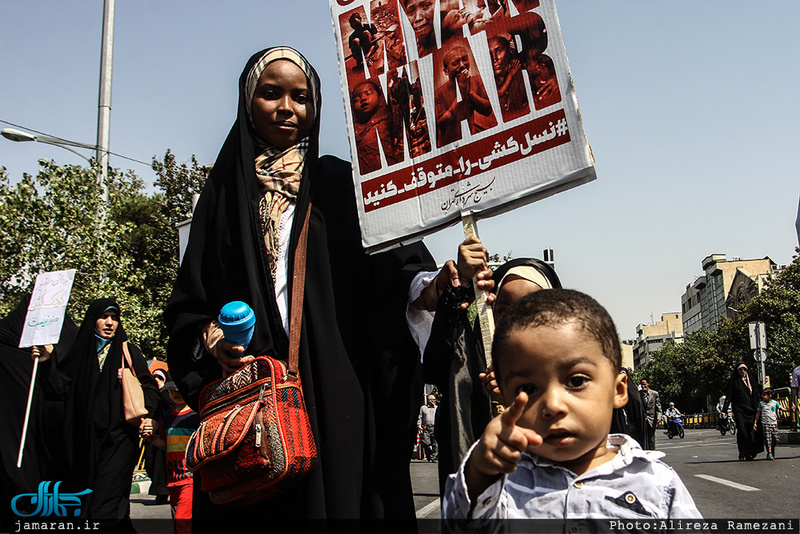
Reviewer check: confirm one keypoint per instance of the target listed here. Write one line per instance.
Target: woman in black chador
(42, 453)
(102, 448)
(357, 359)
(744, 394)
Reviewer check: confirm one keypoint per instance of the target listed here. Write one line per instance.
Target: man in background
(795, 385)
(425, 423)
(652, 410)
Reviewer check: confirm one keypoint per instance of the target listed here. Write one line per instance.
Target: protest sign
(468, 108)
(46, 311)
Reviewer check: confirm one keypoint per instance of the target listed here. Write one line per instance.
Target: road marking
(429, 508)
(728, 483)
(669, 446)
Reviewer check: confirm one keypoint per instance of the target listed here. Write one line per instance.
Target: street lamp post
(103, 108)
(104, 104)
(13, 134)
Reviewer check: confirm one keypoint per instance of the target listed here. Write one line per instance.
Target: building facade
(627, 355)
(651, 337)
(724, 286)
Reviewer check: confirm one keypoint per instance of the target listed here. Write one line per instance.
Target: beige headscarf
(532, 274)
(278, 170)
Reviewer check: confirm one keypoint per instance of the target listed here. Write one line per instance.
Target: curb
(790, 437)
(141, 484)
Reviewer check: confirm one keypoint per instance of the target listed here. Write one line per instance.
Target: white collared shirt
(635, 484)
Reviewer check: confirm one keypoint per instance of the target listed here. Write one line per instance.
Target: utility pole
(104, 106)
(758, 342)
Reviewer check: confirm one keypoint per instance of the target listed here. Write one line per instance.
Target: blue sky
(690, 109)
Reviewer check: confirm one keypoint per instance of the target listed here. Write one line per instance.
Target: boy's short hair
(556, 307)
(768, 391)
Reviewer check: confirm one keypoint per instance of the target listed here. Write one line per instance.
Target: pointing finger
(514, 412)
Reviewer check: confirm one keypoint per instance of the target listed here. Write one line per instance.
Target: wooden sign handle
(485, 316)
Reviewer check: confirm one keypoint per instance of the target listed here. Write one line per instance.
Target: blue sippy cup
(238, 323)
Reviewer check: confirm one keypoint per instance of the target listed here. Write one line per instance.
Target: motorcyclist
(722, 417)
(672, 414)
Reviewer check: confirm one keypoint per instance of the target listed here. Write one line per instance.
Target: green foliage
(496, 258)
(673, 372)
(126, 249)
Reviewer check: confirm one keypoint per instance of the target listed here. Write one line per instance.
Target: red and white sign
(452, 107)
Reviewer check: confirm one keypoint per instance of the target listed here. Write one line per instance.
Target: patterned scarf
(279, 172)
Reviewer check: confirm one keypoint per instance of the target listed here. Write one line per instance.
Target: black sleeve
(449, 324)
(54, 383)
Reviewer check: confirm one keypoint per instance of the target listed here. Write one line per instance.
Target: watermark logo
(45, 502)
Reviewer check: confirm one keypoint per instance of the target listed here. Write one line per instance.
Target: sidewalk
(148, 517)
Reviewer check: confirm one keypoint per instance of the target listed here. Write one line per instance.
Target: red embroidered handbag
(254, 440)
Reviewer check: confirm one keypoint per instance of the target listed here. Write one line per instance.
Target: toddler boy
(557, 359)
(768, 413)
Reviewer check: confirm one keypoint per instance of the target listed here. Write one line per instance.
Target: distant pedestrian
(44, 447)
(155, 459)
(100, 445)
(743, 394)
(768, 414)
(426, 424)
(652, 411)
(795, 385)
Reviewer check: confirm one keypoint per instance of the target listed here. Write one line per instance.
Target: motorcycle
(674, 427)
(725, 424)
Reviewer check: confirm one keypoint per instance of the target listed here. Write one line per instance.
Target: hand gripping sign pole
(485, 314)
(43, 324)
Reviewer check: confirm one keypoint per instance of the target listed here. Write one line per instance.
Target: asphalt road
(707, 462)
(722, 486)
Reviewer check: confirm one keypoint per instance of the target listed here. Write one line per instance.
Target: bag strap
(298, 289)
(126, 355)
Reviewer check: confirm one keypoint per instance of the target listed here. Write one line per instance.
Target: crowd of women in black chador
(743, 394)
(78, 434)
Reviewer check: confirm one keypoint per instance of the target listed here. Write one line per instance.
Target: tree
(674, 369)
(57, 220)
(127, 248)
(495, 258)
